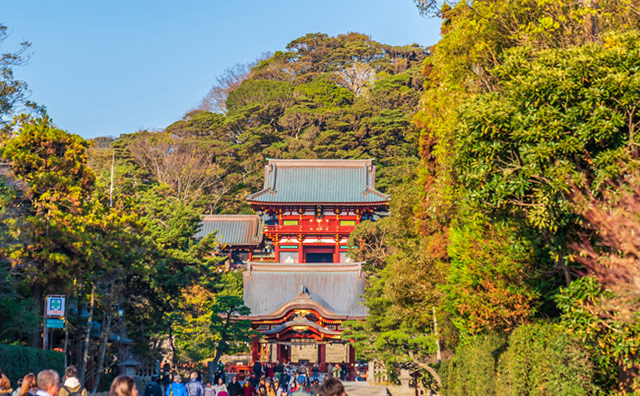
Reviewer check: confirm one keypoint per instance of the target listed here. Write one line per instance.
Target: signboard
(55, 306)
(55, 323)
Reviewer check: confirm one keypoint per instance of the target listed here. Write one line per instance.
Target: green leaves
(558, 116)
(593, 315)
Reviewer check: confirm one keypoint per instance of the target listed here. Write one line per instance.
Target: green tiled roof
(319, 181)
(233, 230)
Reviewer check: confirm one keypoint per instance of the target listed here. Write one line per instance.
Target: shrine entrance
(319, 257)
(319, 254)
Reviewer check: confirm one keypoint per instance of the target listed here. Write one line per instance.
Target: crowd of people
(283, 380)
(40, 385)
(279, 380)
(291, 382)
(280, 369)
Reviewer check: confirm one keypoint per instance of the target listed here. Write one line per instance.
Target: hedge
(537, 359)
(17, 361)
(472, 369)
(543, 359)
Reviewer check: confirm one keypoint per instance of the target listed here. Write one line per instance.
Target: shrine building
(298, 280)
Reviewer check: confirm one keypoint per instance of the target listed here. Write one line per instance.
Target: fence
(377, 373)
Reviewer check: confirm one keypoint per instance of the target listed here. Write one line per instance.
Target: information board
(55, 306)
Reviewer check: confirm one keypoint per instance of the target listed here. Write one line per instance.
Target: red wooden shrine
(299, 281)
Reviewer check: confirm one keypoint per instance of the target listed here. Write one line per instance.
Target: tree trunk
(222, 343)
(435, 332)
(35, 339)
(174, 357)
(85, 353)
(104, 340)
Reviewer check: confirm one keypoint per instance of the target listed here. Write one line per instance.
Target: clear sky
(106, 67)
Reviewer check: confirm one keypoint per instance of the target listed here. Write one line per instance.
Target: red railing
(324, 226)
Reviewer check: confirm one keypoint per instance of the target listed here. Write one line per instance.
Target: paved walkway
(364, 389)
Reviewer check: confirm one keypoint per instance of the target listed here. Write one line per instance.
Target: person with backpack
(194, 387)
(257, 369)
(72, 385)
(176, 388)
(299, 387)
(153, 388)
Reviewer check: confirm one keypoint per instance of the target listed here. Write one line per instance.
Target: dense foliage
(323, 97)
(509, 263)
(17, 361)
(529, 116)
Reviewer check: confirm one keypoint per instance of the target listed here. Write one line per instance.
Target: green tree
(490, 281)
(50, 240)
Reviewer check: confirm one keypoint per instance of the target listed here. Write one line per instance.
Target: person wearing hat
(177, 388)
(299, 387)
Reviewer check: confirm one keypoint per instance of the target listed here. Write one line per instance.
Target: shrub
(472, 370)
(543, 359)
(17, 361)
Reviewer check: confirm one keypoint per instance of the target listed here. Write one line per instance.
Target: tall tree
(51, 238)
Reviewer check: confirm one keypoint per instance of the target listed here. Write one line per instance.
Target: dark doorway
(318, 257)
(285, 353)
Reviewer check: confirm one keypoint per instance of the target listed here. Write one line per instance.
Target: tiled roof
(336, 287)
(243, 230)
(319, 181)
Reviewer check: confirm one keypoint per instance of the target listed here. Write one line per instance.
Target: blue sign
(55, 323)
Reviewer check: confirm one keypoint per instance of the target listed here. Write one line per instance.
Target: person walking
(124, 385)
(234, 388)
(315, 387)
(176, 388)
(299, 387)
(167, 377)
(315, 371)
(5, 386)
(343, 371)
(277, 387)
(247, 388)
(16, 391)
(208, 390)
(257, 369)
(28, 387)
(153, 388)
(220, 387)
(270, 390)
(48, 383)
(72, 385)
(331, 387)
(278, 369)
(194, 387)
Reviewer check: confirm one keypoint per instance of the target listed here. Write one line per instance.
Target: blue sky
(106, 67)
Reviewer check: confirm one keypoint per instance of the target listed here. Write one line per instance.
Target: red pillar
(352, 354)
(323, 357)
(276, 250)
(300, 250)
(255, 349)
